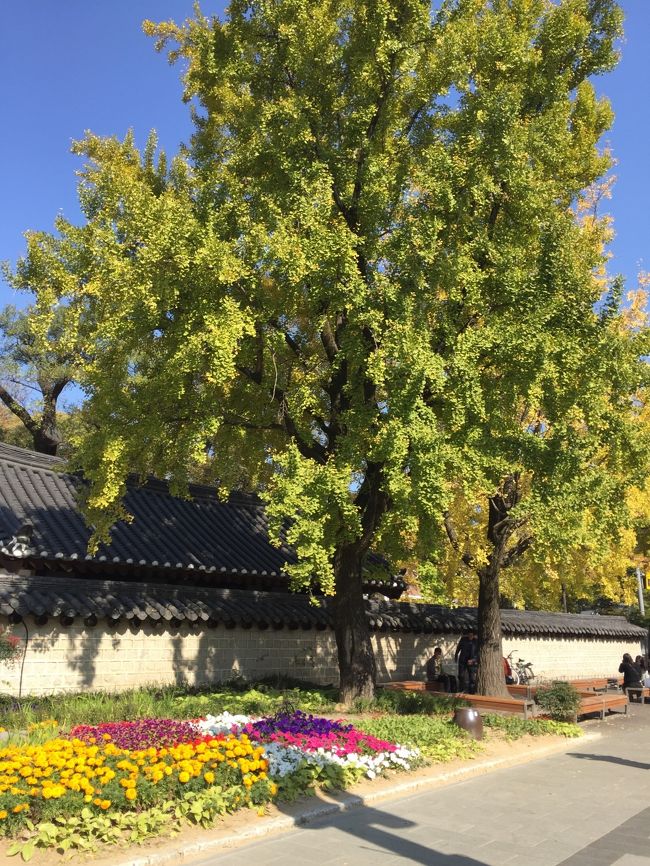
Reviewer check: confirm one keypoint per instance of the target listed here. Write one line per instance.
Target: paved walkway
(589, 807)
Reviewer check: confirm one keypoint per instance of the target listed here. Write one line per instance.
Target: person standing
(467, 658)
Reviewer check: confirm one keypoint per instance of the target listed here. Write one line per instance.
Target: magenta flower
(140, 734)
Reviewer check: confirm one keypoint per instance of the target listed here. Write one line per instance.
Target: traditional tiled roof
(198, 540)
(92, 601)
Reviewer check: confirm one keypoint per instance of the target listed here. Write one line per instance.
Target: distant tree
(359, 266)
(35, 368)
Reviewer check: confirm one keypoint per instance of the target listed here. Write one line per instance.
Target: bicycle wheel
(526, 675)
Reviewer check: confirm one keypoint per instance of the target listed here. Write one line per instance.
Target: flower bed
(128, 780)
(303, 750)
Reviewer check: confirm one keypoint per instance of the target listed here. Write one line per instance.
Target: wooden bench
(406, 686)
(512, 705)
(596, 684)
(492, 703)
(599, 703)
(522, 691)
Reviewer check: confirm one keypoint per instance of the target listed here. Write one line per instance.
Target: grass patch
(170, 702)
(514, 728)
(438, 738)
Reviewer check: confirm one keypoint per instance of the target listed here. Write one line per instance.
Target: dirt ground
(246, 825)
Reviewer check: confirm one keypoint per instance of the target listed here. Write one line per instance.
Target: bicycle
(522, 672)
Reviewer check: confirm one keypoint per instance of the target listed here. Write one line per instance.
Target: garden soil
(247, 826)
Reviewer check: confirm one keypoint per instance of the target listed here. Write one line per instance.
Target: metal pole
(639, 587)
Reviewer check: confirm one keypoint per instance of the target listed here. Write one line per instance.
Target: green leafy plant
(172, 702)
(437, 738)
(560, 700)
(10, 647)
(415, 703)
(514, 728)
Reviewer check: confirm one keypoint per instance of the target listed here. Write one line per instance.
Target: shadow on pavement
(373, 826)
(611, 759)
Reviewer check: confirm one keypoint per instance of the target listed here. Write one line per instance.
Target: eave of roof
(199, 539)
(91, 601)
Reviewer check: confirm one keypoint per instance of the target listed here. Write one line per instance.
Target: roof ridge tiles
(25, 457)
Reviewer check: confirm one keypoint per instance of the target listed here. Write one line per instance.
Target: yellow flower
(105, 804)
(3, 814)
(130, 794)
(184, 777)
(209, 777)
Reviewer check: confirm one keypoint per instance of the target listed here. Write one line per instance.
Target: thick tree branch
(310, 449)
(19, 411)
(452, 535)
(329, 342)
(517, 551)
(244, 424)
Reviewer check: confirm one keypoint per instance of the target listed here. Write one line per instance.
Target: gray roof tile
(201, 537)
(141, 602)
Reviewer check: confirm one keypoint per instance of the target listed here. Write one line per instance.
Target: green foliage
(89, 830)
(359, 291)
(172, 702)
(560, 700)
(411, 703)
(514, 728)
(438, 738)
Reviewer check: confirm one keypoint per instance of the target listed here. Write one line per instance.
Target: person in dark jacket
(467, 658)
(631, 673)
(435, 673)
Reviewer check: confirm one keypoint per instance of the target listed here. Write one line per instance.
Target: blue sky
(72, 65)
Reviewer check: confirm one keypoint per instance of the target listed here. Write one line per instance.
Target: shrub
(415, 703)
(560, 701)
(10, 647)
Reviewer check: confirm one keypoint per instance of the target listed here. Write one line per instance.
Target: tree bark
(356, 658)
(490, 679)
(46, 442)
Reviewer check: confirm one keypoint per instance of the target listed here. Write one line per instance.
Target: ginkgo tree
(357, 267)
(564, 511)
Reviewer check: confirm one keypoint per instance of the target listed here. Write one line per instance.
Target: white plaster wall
(81, 658)
(572, 658)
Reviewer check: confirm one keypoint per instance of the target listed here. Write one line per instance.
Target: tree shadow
(610, 759)
(384, 833)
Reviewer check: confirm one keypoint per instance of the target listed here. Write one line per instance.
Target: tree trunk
(47, 438)
(491, 678)
(46, 442)
(356, 658)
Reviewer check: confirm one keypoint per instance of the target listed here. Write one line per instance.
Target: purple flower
(295, 723)
(140, 734)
